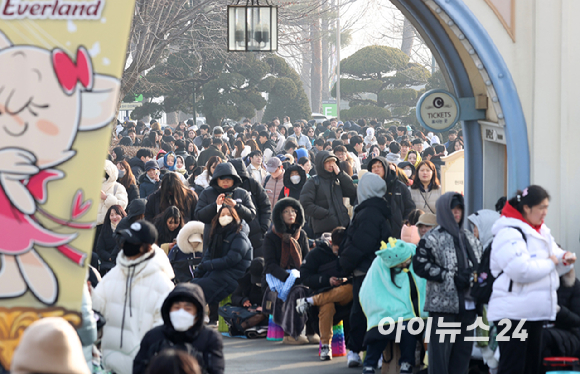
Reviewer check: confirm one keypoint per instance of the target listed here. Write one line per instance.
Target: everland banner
(60, 71)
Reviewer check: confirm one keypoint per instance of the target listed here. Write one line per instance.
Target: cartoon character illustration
(45, 99)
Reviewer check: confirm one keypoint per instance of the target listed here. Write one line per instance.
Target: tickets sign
(61, 64)
(438, 110)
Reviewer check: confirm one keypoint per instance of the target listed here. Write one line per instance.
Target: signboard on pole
(438, 110)
(329, 108)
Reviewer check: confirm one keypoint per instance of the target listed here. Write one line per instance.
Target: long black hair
(530, 196)
(165, 235)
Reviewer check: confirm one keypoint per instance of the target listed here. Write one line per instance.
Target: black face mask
(131, 250)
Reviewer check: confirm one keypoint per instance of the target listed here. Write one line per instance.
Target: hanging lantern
(252, 27)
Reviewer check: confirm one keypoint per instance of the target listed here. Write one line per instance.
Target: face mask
(121, 173)
(130, 249)
(295, 179)
(225, 220)
(181, 320)
(408, 173)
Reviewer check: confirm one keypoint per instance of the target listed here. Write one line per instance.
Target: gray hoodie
(484, 220)
(395, 158)
(369, 186)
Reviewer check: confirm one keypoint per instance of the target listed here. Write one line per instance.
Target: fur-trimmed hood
(190, 237)
(282, 204)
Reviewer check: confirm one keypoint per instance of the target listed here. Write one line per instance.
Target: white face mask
(408, 173)
(225, 220)
(181, 320)
(295, 179)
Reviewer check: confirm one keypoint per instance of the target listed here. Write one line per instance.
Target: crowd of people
(311, 224)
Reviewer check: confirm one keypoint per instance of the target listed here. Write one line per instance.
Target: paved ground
(263, 356)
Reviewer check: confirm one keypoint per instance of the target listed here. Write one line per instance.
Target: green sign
(329, 109)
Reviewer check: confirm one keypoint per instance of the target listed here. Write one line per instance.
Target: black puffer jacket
(106, 247)
(261, 223)
(137, 167)
(319, 266)
(294, 190)
(322, 197)
(368, 228)
(398, 196)
(272, 246)
(202, 342)
(206, 208)
(564, 338)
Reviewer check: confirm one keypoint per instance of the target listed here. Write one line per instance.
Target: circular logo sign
(438, 110)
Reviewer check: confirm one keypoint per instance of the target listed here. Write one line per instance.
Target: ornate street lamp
(252, 27)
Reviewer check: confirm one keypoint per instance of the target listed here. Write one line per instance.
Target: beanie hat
(50, 345)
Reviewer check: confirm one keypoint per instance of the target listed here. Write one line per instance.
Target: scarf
(217, 239)
(510, 212)
(291, 254)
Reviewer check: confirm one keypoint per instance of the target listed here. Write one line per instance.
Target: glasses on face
(290, 212)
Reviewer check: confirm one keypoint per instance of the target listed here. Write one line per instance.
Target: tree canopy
(380, 82)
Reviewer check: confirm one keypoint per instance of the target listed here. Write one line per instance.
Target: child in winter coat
(392, 289)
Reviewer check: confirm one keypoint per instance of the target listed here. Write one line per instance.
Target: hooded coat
(398, 196)
(204, 343)
(484, 220)
(527, 263)
(261, 222)
(221, 278)
(272, 247)
(290, 189)
(322, 196)
(442, 252)
(130, 297)
(381, 298)
(116, 193)
(369, 227)
(207, 208)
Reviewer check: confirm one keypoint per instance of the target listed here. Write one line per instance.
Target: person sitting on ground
(184, 329)
(168, 225)
(321, 272)
(225, 188)
(227, 257)
(284, 248)
(188, 251)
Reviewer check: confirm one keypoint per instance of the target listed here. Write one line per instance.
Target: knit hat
(151, 165)
(50, 345)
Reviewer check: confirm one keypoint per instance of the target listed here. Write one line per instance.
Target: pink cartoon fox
(45, 99)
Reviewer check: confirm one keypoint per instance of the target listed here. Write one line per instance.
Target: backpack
(234, 316)
(481, 290)
(183, 264)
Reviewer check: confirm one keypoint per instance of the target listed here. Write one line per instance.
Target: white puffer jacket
(116, 193)
(131, 312)
(535, 277)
